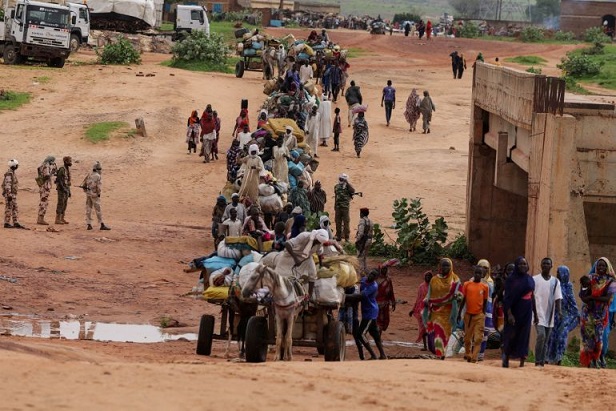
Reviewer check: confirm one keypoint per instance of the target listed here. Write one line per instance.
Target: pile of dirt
(141, 42)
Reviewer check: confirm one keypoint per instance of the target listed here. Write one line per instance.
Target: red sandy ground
(158, 202)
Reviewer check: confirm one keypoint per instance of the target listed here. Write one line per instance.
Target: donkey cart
(315, 327)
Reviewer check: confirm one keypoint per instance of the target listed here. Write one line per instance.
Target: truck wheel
(335, 344)
(239, 69)
(11, 55)
(56, 62)
(206, 334)
(75, 43)
(256, 339)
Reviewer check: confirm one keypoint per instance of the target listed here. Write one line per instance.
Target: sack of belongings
(325, 291)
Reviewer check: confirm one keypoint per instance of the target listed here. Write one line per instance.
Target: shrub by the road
(11, 100)
(596, 35)
(121, 52)
(564, 36)
(469, 31)
(199, 47)
(531, 34)
(579, 66)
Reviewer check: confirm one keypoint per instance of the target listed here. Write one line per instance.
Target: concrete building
(319, 8)
(541, 172)
(577, 16)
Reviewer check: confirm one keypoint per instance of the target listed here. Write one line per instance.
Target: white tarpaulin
(140, 9)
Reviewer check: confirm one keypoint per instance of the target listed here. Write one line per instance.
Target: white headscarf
(321, 235)
(253, 148)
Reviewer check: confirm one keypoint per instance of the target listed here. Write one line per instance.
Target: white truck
(189, 18)
(80, 30)
(36, 31)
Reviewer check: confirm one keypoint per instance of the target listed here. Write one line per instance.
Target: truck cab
(36, 31)
(189, 18)
(80, 30)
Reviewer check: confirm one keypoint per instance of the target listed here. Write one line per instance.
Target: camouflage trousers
(93, 202)
(44, 202)
(11, 210)
(62, 202)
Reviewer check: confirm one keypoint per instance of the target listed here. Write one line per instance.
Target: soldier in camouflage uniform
(63, 186)
(92, 186)
(46, 171)
(343, 194)
(9, 192)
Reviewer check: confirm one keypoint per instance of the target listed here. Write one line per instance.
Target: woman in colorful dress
(517, 304)
(417, 310)
(595, 312)
(566, 321)
(360, 130)
(441, 307)
(412, 113)
(193, 131)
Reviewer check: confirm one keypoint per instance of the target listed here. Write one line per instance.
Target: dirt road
(158, 201)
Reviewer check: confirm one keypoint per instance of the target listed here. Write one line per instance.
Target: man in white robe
(312, 130)
(325, 128)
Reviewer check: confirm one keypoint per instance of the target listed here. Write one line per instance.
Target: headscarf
(49, 159)
(569, 305)
(328, 227)
(194, 118)
(486, 264)
(321, 235)
(600, 282)
(253, 148)
(440, 286)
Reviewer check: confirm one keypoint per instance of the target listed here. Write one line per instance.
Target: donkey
(287, 302)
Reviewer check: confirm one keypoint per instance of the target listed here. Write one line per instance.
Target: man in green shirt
(343, 194)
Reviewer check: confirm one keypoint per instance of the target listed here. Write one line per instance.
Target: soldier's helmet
(97, 166)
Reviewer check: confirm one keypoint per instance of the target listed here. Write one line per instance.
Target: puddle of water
(87, 330)
(24, 326)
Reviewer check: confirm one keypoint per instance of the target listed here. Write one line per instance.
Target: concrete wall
(544, 190)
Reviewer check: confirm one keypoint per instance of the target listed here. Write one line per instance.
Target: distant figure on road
(426, 107)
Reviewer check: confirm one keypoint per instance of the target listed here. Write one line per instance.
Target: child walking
(337, 129)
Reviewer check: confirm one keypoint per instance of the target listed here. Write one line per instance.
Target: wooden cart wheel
(256, 339)
(206, 334)
(335, 343)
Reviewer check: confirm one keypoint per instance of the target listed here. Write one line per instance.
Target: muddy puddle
(87, 330)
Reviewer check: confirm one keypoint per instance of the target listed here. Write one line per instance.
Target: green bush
(564, 36)
(381, 248)
(533, 70)
(531, 34)
(596, 35)
(418, 240)
(579, 66)
(469, 31)
(121, 52)
(596, 49)
(200, 47)
(573, 86)
(459, 249)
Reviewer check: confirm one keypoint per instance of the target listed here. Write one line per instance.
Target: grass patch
(10, 100)
(103, 131)
(42, 79)
(202, 65)
(355, 52)
(527, 60)
(607, 77)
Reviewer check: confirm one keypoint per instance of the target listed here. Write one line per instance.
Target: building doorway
(608, 22)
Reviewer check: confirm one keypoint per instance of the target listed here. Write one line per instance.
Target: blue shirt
(369, 307)
(389, 93)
